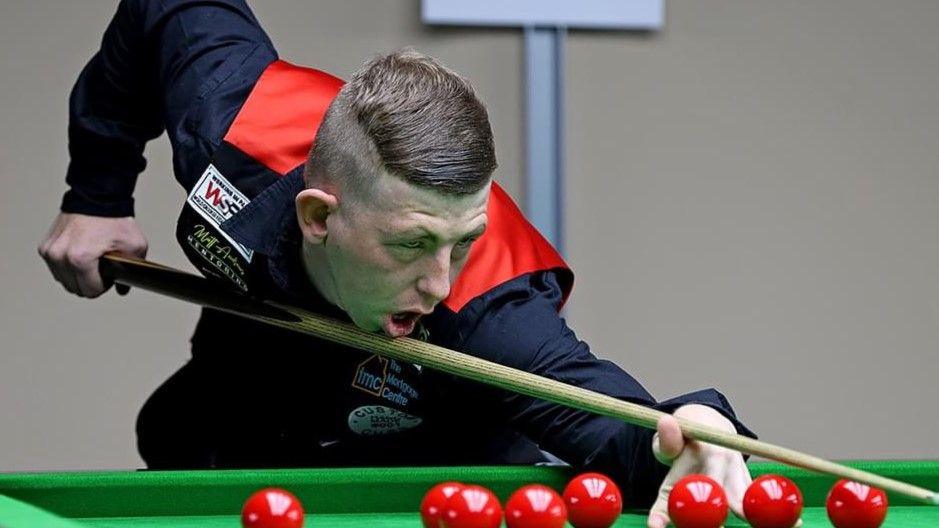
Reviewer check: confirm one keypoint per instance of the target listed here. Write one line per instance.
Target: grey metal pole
(544, 131)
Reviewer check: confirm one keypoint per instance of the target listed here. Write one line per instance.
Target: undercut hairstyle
(408, 115)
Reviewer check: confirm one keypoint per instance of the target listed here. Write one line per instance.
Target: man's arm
(156, 60)
(518, 325)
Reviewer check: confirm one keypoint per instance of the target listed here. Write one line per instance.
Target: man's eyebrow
(421, 231)
(409, 231)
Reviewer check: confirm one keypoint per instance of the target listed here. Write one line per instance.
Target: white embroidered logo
(217, 200)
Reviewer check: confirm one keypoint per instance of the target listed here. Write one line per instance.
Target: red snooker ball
(856, 505)
(772, 501)
(472, 507)
(697, 501)
(535, 506)
(593, 501)
(434, 501)
(272, 508)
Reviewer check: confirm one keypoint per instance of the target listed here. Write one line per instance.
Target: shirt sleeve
(154, 60)
(518, 325)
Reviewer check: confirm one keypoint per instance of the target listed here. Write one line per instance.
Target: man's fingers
(56, 262)
(76, 271)
(657, 520)
(68, 267)
(731, 472)
(717, 470)
(52, 235)
(84, 265)
(668, 441)
(657, 451)
(134, 245)
(90, 283)
(658, 514)
(736, 484)
(67, 280)
(681, 466)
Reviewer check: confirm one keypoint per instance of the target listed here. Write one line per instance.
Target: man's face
(394, 253)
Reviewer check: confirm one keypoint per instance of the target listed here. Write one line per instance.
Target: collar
(268, 225)
(260, 224)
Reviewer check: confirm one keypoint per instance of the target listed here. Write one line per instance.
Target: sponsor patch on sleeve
(217, 200)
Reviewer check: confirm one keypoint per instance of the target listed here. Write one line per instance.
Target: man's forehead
(408, 203)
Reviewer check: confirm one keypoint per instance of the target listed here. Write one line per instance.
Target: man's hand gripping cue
(686, 456)
(76, 242)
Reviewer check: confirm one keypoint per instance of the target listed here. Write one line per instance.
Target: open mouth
(401, 323)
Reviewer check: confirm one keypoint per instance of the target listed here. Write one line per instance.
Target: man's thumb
(668, 442)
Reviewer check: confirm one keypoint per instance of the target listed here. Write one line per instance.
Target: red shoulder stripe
(510, 248)
(278, 122)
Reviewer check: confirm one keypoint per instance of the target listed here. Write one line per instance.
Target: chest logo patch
(217, 200)
(387, 379)
(375, 420)
(371, 374)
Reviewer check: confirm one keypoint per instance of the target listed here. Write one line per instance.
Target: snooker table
(347, 497)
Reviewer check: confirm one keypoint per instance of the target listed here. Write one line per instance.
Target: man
(390, 220)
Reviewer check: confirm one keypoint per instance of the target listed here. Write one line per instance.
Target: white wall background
(754, 205)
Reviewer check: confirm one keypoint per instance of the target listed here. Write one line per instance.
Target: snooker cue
(148, 275)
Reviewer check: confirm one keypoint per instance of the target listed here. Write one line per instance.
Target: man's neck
(317, 271)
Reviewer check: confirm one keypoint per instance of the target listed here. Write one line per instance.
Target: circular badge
(372, 420)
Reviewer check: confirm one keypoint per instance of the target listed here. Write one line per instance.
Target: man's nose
(436, 280)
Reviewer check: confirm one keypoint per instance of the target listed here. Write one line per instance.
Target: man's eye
(413, 244)
(462, 248)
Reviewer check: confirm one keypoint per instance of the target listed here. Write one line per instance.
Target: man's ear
(313, 207)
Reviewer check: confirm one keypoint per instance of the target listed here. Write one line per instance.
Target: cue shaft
(188, 287)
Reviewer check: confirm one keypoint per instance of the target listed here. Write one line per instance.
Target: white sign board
(600, 14)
